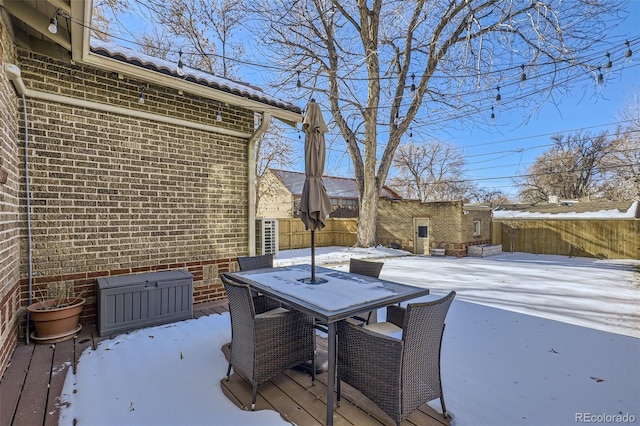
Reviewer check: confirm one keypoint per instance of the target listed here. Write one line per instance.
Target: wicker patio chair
(265, 338)
(365, 267)
(248, 263)
(396, 364)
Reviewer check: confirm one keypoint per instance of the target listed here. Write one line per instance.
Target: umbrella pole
(313, 256)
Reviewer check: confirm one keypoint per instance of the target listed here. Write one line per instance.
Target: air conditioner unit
(267, 236)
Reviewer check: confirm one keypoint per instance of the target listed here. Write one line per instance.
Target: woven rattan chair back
(422, 334)
(398, 375)
(364, 267)
(248, 263)
(264, 342)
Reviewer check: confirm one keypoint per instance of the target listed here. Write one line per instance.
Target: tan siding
(275, 199)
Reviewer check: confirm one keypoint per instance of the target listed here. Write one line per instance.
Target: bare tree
(623, 165)
(102, 17)
(488, 196)
(204, 30)
(378, 66)
(571, 169)
(431, 171)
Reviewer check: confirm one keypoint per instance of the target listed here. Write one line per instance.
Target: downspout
(13, 72)
(251, 154)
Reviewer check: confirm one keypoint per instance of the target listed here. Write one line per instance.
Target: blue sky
(508, 146)
(494, 151)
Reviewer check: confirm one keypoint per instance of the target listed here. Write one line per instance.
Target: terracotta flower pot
(56, 319)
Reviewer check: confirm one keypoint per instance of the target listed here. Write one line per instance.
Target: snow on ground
(530, 340)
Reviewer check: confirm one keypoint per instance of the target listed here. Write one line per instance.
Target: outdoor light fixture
(141, 99)
(599, 77)
(219, 115)
(413, 83)
(493, 115)
(53, 24)
(628, 53)
(299, 83)
(498, 96)
(180, 70)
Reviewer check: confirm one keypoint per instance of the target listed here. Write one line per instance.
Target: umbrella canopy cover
(315, 205)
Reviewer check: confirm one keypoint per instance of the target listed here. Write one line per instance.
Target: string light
(413, 82)
(608, 65)
(600, 78)
(628, 53)
(141, 98)
(53, 24)
(180, 70)
(493, 115)
(498, 96)
(299, 83)
(523, 76)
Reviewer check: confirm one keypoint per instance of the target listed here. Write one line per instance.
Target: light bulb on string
(599, 78)
(180, 69)
(141, 98)
(609, 64)
(493, 115)
(299, 83)
(628, 53)
(413, 82)
(523, 76)
(53, 24)
(498, 96)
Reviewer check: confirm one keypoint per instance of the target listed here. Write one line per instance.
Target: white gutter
(251, 160)
(82, 103)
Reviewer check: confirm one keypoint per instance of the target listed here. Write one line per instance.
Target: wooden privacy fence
(337, 232)
(605, 239)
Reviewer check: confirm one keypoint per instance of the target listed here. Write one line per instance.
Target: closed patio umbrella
(315, 205)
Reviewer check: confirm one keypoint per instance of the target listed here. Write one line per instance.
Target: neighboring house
(133, 166)
(280, 192)
(602, 229)
(421, 226)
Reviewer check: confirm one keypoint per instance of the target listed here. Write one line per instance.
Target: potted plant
(56, 319)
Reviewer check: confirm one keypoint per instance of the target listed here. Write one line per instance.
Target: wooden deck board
(62, 362)
(33, 400)
(13, 381)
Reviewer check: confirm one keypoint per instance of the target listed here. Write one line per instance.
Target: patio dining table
(340, 296)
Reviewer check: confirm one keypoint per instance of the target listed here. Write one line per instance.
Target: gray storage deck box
(127, 302)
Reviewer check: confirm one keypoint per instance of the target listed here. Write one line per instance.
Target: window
(423, 231)
(476, 228)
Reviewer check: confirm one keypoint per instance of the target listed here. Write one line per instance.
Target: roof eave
(150, 76)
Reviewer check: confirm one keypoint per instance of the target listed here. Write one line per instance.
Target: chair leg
(254, 397)
(228, 372)
(444, 407)
(313, 365)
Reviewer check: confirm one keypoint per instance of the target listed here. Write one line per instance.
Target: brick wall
(450, 226)
(112, 194)
(9, 225)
